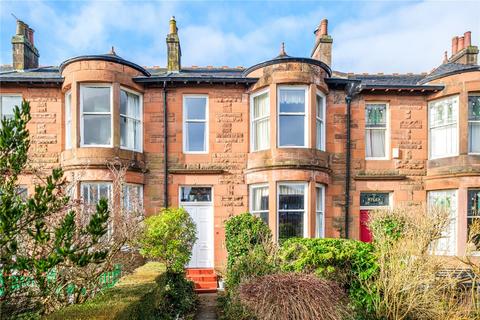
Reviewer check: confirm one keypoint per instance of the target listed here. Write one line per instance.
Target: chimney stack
(174, 52)
(25, 55)
(462, 50)
(322, 49)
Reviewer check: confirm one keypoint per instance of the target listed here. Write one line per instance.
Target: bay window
(96, 109)
(68, 120)
(473, 215)
(130, 121)
(132, 197)
(320, 211)
(292, 114)
(376, 139)
(91, 193)
(443, 131)
(320, 121)
(195, 124)
(259, 201)
(445, 200)
(260, 124)
(7, 105)
(291, 210)
(474, 123)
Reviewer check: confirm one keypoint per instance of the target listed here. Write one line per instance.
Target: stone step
(202, 278)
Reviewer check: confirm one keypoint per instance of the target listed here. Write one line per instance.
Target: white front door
(202, 214)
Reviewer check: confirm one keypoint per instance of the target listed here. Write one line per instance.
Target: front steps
(205, 280)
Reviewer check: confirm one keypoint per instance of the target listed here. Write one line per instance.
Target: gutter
(351, 90)
(165, 147)
(187, 79)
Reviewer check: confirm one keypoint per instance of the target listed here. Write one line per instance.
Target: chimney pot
(454, 45)
(324, 27)
(461, 45)
(467, 39)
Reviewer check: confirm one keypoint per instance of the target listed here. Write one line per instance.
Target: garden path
(207, 307)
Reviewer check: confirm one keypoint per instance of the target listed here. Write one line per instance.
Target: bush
(294, 296)
(347, 262)
(169, 237)
(175, 296)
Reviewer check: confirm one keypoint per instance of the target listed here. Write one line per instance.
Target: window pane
(474, 137)
(8, 105)
(196, 194)
(132, 197)
(261, 107)
(443, 141)
(96, 99)
(291, 197)
(474, 107)
(290, 224)
(292, 100)
(130, 133)
(262, 215)
(261, 137)
(375, 143)
(97, 130)
(473, 215)
(292, 130)
(123, 102)
(195, 134)
(259, 198)
(195, 108)
(129, 104)
(446, 199)
(376, 115)
(319, 134)
(319, 106)
(319, 202)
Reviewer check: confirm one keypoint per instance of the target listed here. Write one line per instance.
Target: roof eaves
(185, 79)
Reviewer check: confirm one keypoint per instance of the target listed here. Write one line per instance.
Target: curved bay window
(443, 119)
(473, 217)
(474, 123)
(260, 124)
(130, 121)
(291, 210)
(292, 117)
(259, 201)
(96, 109)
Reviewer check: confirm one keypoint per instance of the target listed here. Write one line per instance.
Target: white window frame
(321, 119)
(430, 127)
(1, 99)
(472, 94)
(140, 101)
(305, 206)
(68, 120)
(253, 120)
(305, 114)
(82, 125)
(206, 121)
(387, 130)
(320, 233)
(251, 189)
(455, 227)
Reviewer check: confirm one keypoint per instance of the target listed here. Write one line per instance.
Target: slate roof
(449, 69)
(37, 75)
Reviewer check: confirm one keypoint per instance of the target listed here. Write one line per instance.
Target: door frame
(201, 204)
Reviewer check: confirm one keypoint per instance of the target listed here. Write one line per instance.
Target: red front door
(365, 234)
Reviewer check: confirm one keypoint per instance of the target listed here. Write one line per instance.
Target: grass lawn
(133, 297)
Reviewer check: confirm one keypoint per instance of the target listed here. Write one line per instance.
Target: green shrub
(348, 262)
(169, 237)
(175, 296)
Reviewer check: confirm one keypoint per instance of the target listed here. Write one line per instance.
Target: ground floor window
(132, 197)
(259, 201)
(445, 199)
(195, 194)
(473, 214)
(320, 211)
(291, 210)
(91, 193)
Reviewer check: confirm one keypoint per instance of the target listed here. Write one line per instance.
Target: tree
(39, 234)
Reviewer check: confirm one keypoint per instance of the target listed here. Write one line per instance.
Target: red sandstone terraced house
(308, 149)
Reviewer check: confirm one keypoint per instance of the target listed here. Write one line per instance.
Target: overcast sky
(369, 36)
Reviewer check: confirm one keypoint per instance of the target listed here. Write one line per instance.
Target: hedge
(134, 297)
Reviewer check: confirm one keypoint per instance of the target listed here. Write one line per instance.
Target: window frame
(457, 114)
(184, 124)
(322, 146)
(321, 234)
(305, 206)
(252, 119)
(471, 94)
(387, 130)
(1, 102)
(197, 203)
(68, 120)
(140, 101)
(456, 221)
(250, 199)
(305, 114)
(136, 185)
(82, 114)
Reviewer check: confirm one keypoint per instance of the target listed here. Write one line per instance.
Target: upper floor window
(96, 109)
(474, 123)
(259, 201)
(291, 210)
(68, 120)
(376, 131)
(320, 121)
(443, 131)
(292, 114)
(7, 105)
(130, 121)
(320, 211)
(260, 125)
(195, 124)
